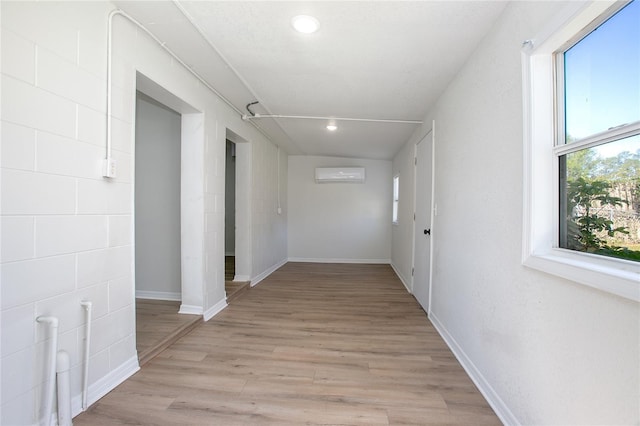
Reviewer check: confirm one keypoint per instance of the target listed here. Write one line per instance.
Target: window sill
(540, 190)
(616, 276)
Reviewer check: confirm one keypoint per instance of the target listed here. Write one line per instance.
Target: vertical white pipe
(109, 78)
(47, 405)
(278, 182)
(64, 389)
(87, 341)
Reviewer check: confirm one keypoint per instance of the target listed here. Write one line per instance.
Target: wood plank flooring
(235, 289)
(229, 268)
(158, 325)
(312, 344)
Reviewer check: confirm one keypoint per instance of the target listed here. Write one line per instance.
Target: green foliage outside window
(602, 199)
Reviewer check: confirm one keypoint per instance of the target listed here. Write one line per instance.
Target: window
(581, 85)
(396, 194)
(598, 142)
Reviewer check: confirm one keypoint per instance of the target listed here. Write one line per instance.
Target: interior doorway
(164, 148)
(157, 201)
(423, 221)
(237, 215)
(230, 212)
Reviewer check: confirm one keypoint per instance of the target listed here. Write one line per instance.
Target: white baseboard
(322, 260)
(106, 384)
(266, 273)
(242, 278)
(158, 295)
(212, 311)
(404, 282)
(190, 309)
(502, 411)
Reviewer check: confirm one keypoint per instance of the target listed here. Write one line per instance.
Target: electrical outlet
(109, 169)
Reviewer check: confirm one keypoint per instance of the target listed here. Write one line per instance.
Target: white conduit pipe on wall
(245, 117)
(47, 403)
(314, 117)
(173, 55)
(278, 161)
(87, 341)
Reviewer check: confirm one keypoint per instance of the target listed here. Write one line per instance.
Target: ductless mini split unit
(339, 174)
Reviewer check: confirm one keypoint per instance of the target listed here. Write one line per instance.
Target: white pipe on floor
(64, 389)
(47, 403)
(87, 341)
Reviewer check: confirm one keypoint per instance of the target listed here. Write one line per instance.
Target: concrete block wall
(67, 232)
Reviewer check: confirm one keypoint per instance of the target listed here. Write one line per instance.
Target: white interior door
(422, 227)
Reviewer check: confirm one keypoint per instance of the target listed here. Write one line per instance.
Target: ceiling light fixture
(332, 127)
(305, 24)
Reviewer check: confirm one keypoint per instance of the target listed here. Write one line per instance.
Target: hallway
(314, 344)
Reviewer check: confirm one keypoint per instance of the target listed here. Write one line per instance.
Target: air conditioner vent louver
(339, 174)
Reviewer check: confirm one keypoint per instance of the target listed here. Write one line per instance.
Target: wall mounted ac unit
(339, 174)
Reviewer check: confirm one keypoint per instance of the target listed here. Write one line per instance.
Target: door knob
(427, 232)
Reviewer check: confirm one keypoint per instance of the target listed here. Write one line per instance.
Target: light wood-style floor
(311, 344)
(229, 268)
(234, 289)
(158, 325)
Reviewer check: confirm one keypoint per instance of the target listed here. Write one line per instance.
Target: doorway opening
(230, 212)
(237, 265)
(157, 201)
(160, 213)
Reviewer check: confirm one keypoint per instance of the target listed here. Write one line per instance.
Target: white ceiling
(369, 60)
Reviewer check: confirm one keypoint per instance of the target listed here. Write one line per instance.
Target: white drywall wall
(67, 233)
(157, 200)
(348, 222)
(545, 350)
(268, 174)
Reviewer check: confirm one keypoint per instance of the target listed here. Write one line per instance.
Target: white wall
(157, 201)
(346, 222)
(545, 350)
(66, 231)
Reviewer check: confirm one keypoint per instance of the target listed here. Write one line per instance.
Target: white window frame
(541, 189)
(395, 208)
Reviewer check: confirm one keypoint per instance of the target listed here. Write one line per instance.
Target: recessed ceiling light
(305, 24)
(332, 127)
